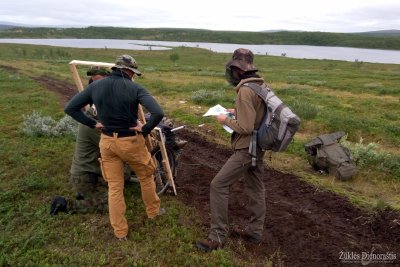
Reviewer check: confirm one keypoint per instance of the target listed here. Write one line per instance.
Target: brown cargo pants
(236, 167)
(133, 151)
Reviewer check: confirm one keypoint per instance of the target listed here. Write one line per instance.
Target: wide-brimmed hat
(242, 58)
(96, 70)
(127, 62)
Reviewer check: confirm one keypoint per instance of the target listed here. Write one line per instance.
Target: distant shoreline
(385, 40)
(291, 51)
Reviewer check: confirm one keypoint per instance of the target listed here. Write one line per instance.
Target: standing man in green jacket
(117, 100)
(247, 115)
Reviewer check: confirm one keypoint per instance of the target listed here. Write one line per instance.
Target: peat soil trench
(308, 226)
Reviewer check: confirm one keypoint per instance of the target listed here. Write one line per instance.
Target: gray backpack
(326, 154)
(278, 126)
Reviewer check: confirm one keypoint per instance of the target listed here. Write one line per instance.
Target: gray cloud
(384, 14)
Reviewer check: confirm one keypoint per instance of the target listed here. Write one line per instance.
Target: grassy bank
(359, 98)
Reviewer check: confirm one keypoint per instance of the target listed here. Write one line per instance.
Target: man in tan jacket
(247, 115)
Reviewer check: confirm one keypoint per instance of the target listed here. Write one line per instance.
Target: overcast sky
(232, 15)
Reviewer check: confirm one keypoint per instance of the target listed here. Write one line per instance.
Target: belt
(120, 133)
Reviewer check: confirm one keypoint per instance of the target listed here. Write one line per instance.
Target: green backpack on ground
(326, 155)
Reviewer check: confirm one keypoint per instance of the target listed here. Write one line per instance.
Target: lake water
(293, 51)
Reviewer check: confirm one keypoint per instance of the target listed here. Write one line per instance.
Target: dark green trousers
(238, 166)
(91, 194)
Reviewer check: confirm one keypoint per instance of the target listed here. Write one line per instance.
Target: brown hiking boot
(162, 211)
(208, 245)
(240, 233)
(122, 239)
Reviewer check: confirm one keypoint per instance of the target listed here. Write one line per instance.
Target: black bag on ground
(326, 154)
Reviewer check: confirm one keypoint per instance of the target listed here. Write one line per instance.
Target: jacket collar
(120, 73)
(248, 80)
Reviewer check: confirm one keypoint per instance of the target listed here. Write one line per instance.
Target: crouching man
(86, 177)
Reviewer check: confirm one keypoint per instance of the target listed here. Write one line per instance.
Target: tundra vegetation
(359, 98)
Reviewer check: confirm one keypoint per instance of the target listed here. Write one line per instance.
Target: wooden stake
(75, 74)
(76, 77)
(165, 160)
(141, 116)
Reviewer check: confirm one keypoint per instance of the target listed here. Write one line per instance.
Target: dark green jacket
(116, 98)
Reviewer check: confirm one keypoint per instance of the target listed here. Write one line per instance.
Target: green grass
(361, 99)
(34, 169)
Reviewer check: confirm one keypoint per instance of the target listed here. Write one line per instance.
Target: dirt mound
(305, 226)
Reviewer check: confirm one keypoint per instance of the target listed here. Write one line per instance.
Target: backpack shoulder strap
(253, 141)
(261, 91)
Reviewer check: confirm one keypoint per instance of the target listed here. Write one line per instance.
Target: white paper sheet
(215, 111)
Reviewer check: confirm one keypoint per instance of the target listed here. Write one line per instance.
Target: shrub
(373, 85)
(174, 57)
(208, 97)
(369, 154)
(66, 126)
(316, 83)
(37, 125)
(364, 154)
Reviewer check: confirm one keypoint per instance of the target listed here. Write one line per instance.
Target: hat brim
(138, 73)
(241, 65)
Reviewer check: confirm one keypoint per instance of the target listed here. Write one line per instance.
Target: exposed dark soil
(310, 227)
(304, 226)
(64, 91)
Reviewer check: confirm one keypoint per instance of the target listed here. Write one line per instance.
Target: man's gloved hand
(169, 136)
(58, 204)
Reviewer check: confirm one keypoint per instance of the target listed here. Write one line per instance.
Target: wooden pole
(75, 74)
(143, 119)
(165, 160)
(76, 77)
